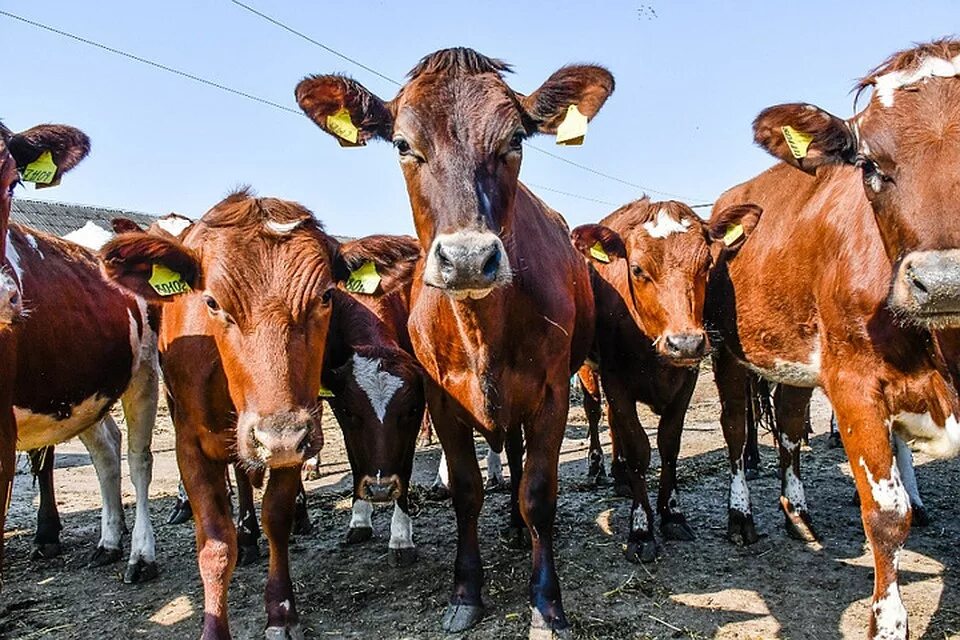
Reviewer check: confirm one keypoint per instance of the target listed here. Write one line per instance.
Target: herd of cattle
(839, 267)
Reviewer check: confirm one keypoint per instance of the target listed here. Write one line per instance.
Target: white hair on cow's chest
(664, 225)
(380, 386)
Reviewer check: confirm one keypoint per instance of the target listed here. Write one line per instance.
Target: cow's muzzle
(684, 349)
(11, 302)
(467, 263)
(926, 289)
(284, 439)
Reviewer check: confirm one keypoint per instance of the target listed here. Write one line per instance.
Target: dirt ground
(777, 588)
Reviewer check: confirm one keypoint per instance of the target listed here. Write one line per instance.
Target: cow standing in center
(501, 308)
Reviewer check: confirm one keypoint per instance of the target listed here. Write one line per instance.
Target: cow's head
(67, 147)
(458, 129)
(907, 143)
(657, 256)
(256, 274)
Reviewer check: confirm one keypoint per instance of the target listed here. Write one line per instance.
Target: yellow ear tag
(167, 282)
(573, 129)
(797, 141)
(41, 171)
(325, 393)
(364, 279)
(597, 252)
(342, 126)
(734, 232)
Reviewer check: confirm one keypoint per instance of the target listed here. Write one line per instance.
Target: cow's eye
(872, 174)
(326, 296)
(211, 303)
(516, 142)
(638, 271)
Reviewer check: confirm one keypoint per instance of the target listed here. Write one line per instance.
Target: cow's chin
(469, 294)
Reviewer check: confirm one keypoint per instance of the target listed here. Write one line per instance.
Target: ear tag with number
(598, 253)
(342, 126)
(798, 141)
(42, 170)
(323, 392)
(364, 279)
(734, 232)
(573, 129)
(166, 281)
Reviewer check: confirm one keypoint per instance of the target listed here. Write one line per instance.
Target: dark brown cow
(501, 309)
(850, 273)
(650, 264)
(242, 342)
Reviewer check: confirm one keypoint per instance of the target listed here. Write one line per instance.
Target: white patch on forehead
(664, 225)
(14, 259)
(639, 521)
(175, 225)
(793, 491)
(401, 530)
(739, 492)
(891, 615)
(888, 83)
(922, 433)
(360, 519)
(380, 386)
(283, 227)
(889, 494)
(90, 235)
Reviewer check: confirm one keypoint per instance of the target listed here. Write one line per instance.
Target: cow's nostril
(442, 258)
(917, 283)
(492, 265)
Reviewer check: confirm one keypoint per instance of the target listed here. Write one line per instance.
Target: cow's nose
(685, 345)
(380, 489)
(472, 261)
(284, 440)
(926, 287)
(11, 302)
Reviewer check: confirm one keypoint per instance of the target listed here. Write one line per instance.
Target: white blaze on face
(380, 386)
(401, 530)
(361, 517)
(90, 235)
(793, 491)
(739, 492)
(174, 225)
(888, 83)
(889, 494)
(922, 433)
(664, 225)
(891, 615)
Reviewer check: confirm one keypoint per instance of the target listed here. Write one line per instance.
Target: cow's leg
(440, 489)
(495, 481)
(302, 524)
(283, 622)
(139, 403)
(466, 487)
(46, 542)
(516, 535)
(673, 524)
(618, 463)
(102, 441)
(751, 449)
(592, 405)
(833, 440)
(401, 550)
(635, 447)
(538, 503)
(885, 504)
(248, 528)
(909, 476)
(8, 456)
(206, 487)
(791, 405)
(181, 512)
(731, 381)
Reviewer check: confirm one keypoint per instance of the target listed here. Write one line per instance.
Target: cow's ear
(585, 86)
(731, 227)
(67, 146)
(805, 136)
(155, 268)
(125, 225)
(377, 265)
(345, 109)
(599, 243)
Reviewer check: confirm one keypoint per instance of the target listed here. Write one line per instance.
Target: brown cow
(851, 271)
(501, 309)
(650, 264)
(248, 291)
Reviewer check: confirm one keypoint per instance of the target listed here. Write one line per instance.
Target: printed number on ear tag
(167, 282)
(573, 129)
(342, 126)
(798, 141)
(597, 252)
(364, 279)
(41, 171)
(733, 233)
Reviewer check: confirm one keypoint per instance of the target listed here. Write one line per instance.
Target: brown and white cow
(849, 276)
(650, 264)
(501, 308)
(248, 292)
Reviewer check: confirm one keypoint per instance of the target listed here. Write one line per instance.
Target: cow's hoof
(540, 629)
(920, 517)
(460, 617)
(751, 473)
(496, 485)
(248, 554)
(302, 526)
(356, 535)
(437, 493)
(644, 551)
(402, 557)
(289, 632)
(833, 441)
(676, 528)
(740, 528)
(140, 571)
(181, 513)
(102, 556)
(516, 537)
(52, 549)
(797, 523)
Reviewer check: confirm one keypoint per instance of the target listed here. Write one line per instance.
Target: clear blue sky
(689, 82)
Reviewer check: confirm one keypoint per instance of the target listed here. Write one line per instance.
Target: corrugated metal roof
(60, 218)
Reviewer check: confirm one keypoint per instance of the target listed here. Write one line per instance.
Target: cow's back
(78, 346)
